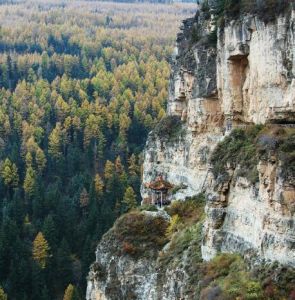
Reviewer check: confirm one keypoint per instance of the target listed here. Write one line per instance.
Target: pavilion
(160, 189)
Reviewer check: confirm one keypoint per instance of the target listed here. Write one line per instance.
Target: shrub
(173, 225)
(229, 273)
(189, 211)
(237, 149)
(178, 188)
(287, 157)
(169, 128)
(244, 148)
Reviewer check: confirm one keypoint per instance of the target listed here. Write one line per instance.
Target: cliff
(246, 79)
(228, 134)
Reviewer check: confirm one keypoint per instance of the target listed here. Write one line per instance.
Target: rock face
(255, 70)
(248, 79)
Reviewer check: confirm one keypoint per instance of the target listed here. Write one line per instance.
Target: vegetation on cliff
(169, 129)
(243, 149)
(140, 234)
(267, 10)
(174, 247)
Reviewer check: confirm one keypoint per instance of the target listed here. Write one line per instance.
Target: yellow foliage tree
(109, 170)
(98, 184)
(40, 250)
(3, 296)
(69, 292)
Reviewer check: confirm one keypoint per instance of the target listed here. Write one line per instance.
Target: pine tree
(64, 264)
(129, 198)
(118, 165)
(50, 232)
(40, 250)
(71, 293)
(45, 294)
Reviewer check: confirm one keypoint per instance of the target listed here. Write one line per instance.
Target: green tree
(40, 160)
(64, 264)
(50, 232)
(30, 181)
(130, 198)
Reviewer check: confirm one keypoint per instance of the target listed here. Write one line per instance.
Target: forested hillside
(82, 83)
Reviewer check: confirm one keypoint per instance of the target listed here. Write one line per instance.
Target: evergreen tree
(45, 294)
(64, 264)
(129, 198)
(50, 232)
(30, 181)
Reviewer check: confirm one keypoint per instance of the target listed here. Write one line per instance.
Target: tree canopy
(81, 85)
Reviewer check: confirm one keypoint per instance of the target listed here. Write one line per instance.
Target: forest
(81, 85)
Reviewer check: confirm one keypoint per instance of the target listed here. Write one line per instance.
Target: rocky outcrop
(147, 273)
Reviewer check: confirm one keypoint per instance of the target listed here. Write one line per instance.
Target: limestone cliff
(247, 79)
(229, 75)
